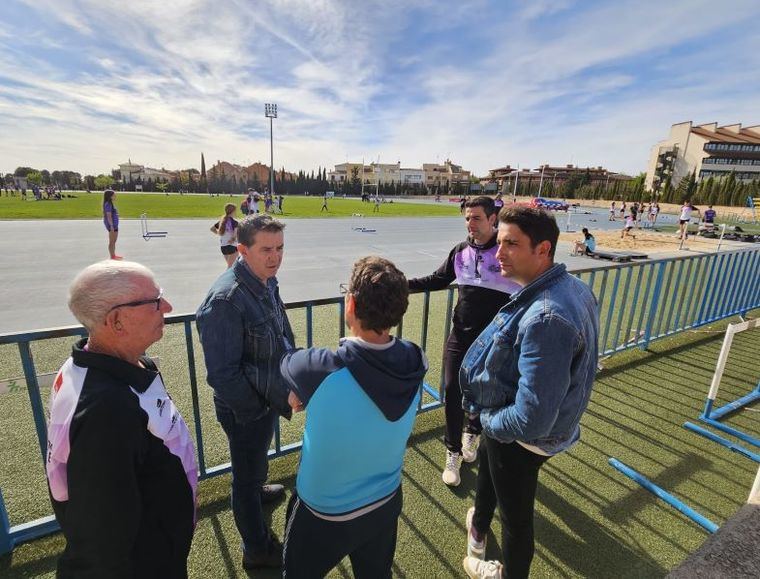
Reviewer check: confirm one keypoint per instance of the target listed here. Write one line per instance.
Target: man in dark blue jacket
(244, 332)
(361, 402)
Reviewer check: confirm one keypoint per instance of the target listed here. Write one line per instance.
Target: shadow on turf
(654, 355)
(623, 510)
(595, 553)
(36, 567)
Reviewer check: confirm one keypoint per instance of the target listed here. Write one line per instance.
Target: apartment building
(707, 150)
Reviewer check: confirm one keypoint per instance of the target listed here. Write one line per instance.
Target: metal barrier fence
(638, 303)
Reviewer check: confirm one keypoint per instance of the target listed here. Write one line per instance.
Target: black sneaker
(271, 558)
(271, 493)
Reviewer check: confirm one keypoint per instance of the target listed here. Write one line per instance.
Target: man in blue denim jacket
(529, 376)
(244, 332)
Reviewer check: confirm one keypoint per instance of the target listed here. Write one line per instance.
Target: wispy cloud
(84, 84)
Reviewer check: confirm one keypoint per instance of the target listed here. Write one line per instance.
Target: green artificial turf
(175, 206)
(590, 520)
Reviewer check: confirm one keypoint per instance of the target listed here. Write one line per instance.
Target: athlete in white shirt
(683, 221)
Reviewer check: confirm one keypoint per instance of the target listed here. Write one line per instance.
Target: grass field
(131, 205)
(590, 521)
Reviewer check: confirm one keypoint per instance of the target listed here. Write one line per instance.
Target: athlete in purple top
(482, 292)
(111, 221)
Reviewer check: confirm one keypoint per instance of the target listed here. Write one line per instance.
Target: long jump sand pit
(651, 241)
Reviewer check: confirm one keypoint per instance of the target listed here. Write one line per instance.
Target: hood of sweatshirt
(390, 375)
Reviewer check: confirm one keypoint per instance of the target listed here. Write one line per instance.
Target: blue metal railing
(676, 294)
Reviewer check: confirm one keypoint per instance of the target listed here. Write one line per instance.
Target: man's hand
(295, 402)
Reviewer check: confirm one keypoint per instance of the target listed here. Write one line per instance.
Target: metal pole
(657, 491)
(722, 233)
(270, 111)
(541, 182)
(517, 176)
(271, 157)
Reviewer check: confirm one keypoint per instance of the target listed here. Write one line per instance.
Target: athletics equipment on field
(711, 415)
(147, 234)
(659, 492)
(357, 224)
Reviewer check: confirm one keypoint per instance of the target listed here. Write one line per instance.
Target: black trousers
(507, 478)
(456, 348)
(313, 546)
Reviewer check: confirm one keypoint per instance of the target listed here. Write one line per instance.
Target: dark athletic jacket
(482, 289)
(121, 470)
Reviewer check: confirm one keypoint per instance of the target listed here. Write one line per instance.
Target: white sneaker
(451, 471)
(470, 443)
(477, 569)
(476, 549)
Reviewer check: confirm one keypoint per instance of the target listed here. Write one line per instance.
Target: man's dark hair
(536, 223)
(489, 207)
(251, 225)
(381, 293)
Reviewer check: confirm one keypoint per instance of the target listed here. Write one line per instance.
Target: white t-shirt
(686, 212)
(228, 237)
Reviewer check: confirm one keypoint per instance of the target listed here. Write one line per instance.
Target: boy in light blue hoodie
(361, 401)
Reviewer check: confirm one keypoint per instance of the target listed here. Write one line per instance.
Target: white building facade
(706, 150)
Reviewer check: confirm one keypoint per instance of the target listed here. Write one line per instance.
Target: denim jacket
(239, 324)
(530, 372)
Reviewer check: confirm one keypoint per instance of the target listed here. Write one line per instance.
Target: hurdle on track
(147, 234)
(357, 224)
(722, 441)
(711, 415)
(661, 493)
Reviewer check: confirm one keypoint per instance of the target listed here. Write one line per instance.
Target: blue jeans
(249, 443)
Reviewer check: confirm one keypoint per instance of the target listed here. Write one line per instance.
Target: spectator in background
(654, 210)
(629, 224)
(635, 213)
(709, 216)
(226, 229)
(587, 246)
(685, 218)
(111, 221)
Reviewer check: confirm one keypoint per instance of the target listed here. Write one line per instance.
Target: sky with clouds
(87, 84)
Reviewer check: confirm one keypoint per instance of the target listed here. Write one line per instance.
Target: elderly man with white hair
(120, 463)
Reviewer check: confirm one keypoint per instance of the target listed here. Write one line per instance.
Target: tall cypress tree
(204, 180)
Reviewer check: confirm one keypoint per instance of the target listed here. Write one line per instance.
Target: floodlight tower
(270, 111)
